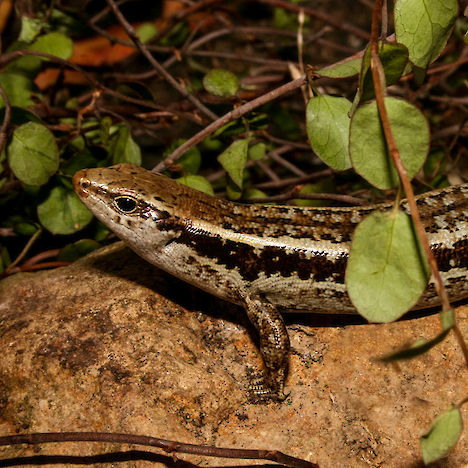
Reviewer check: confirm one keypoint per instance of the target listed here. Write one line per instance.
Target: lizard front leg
(274, 346)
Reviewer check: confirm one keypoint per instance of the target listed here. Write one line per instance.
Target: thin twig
(37, 266)
(232, 115)
(6, 118)
(275, 155)
(25, 250)
(169, 446)
(41, 256)
(157, 66)
(377, 74)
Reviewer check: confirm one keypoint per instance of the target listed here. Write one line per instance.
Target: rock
(110, 343)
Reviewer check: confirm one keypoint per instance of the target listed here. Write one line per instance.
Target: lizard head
(136, 204)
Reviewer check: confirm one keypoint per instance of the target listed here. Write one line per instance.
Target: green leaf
(190, 160)
(442, 436)
(232, 190)
(72, 252)
(367, 145)
(197, 182)
(386, 272)
(54, 43)
(62, 212)
(424, 27)
(146, 32)
(343, 69)
(233, 160)
(32, 154)
(257, 152)
(253, 193)
(418, 348)
(30, 28)
(393, 57)
(25, 229)
(125, 150)
(327, 124)
(18, 88)
(221, 82)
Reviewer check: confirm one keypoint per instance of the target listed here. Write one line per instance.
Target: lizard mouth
(81, 183)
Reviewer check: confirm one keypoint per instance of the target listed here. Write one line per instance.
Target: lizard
(270, 259)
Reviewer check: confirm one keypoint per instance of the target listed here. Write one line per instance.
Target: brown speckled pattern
(266, 258)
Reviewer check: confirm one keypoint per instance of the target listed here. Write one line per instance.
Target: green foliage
(32, 154)
(18, 89)
(344, 69)
(197, 182)
(443, 434)
(387, 271)
(423, 26)
(146, 32)
(328, 130)
(72, 252)
(62, 212)
(257, 152)
(57, 131)
(221, 83)
(233, 160)
(393, 57)
(124, 148)
(368, 148)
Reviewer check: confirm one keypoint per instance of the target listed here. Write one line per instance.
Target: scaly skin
(269, 259)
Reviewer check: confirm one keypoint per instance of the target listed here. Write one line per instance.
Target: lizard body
(269, 259)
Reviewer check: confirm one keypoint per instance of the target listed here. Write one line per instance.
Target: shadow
(114, 457)
(111, 457)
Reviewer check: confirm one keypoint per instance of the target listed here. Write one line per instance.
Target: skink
(269, 259)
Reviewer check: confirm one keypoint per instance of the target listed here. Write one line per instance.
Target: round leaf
(328, 130)
(221, 82)
(386, 272)
(442, 436)
(424, 27)
(368, 148)
(62, 212)
(32, 154)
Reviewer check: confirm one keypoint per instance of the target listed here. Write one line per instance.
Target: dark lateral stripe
(270, 260)
(449, 258)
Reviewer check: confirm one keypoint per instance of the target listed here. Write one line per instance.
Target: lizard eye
(126, 205)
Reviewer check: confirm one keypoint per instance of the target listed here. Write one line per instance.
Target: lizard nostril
(81, 183)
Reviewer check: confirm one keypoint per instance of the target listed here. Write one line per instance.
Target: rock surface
(112, 344)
